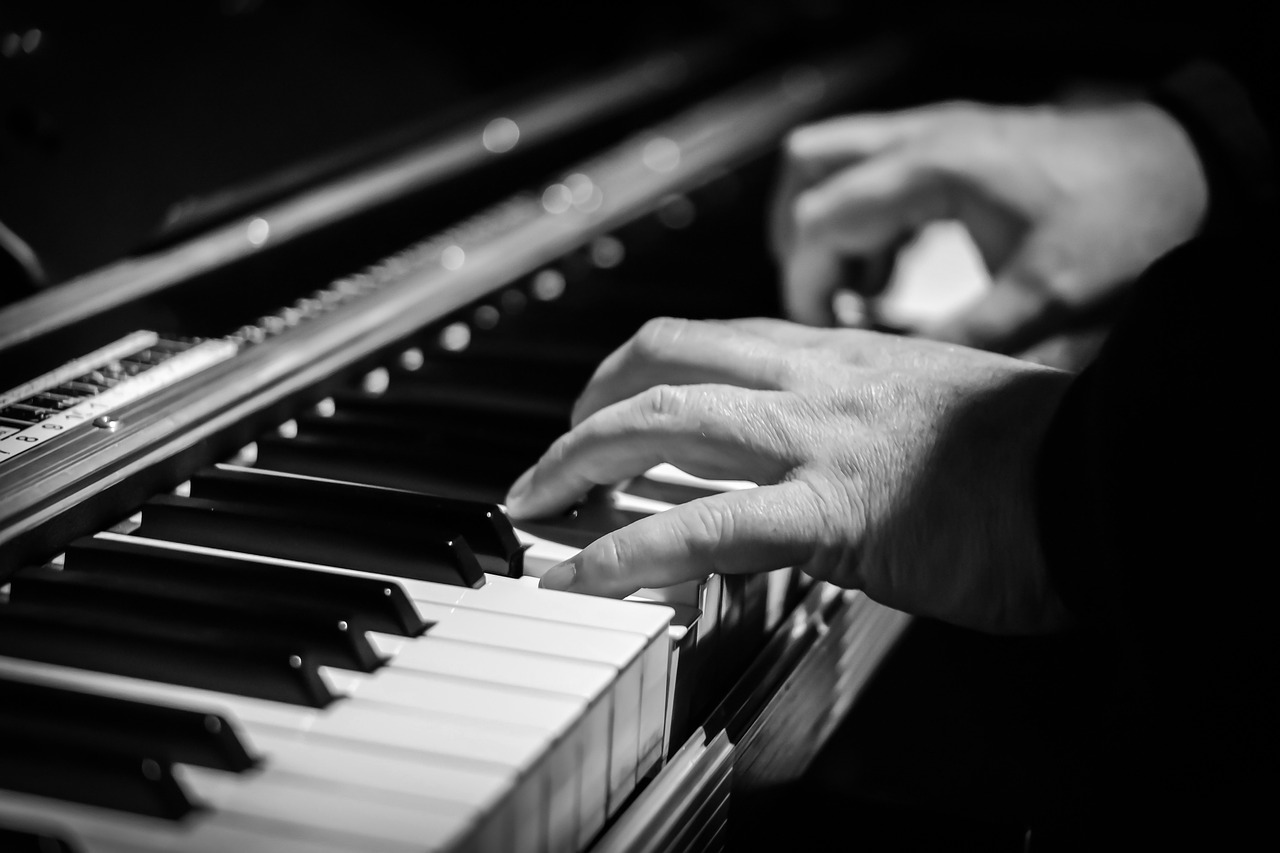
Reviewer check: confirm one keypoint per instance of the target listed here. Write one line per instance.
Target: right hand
(1066, 205)
(898, 466)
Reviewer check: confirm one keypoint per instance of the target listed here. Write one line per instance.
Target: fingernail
(518, 491)
(559, 576)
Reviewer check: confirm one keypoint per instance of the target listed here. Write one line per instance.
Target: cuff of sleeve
(1229, 135)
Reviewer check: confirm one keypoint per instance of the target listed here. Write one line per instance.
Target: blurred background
(124, 125)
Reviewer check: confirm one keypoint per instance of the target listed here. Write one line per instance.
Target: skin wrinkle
(868, 475)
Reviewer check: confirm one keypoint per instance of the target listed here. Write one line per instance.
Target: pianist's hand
(895, 465)
(1066, 205)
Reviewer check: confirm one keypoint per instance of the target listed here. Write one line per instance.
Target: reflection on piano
(261, 593)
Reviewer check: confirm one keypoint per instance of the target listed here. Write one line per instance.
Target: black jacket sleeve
(1154, 497)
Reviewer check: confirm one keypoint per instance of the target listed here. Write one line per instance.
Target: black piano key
(468, 403)
(124, 725)
(554, 367)
(486, 459)
(327, 456)
(33, 840)
(316, 636)
(125, 781)
(279, 532)
(582, 523)
(366, 419)
(225, 659)
(529, 378)
(482, 468)
(483, 526)
(367, 603)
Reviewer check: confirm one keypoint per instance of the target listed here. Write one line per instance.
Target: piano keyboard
(356, 624)
(315, 629)
(328, 675)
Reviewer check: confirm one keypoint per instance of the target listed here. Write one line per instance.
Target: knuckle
(706, 526)
(658, 336)
(662, 403)
(835, 507)
(610, 561)
(560, 450)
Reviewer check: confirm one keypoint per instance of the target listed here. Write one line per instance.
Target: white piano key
(591, 683)
(521, 598)
(102, 830)
(278, 803)
(649, 621)
(445, 746)
(541, 554)
(623, 500)
(462, 786)
(572, 750)
(665, 472)
(620, 650)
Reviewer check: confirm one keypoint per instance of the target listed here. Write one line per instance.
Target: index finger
(814, 152)
(741, 532)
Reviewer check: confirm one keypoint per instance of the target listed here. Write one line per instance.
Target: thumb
(811, 275)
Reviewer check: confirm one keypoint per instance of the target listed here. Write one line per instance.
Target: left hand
(902, 467)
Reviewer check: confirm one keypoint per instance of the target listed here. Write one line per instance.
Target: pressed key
(279, 532)
(367, 603)
(483, 525)
(582, 523)
(191, 737)
(317, 636)
(225, 659)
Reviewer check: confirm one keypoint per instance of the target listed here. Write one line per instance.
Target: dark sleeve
(1183, 367)
(1154, 492)
(1157, 521)
(1228, 108)
(1154, 489)
(1224, 93)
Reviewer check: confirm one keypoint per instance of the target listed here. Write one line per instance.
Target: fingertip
(560, 576)
(518, 493)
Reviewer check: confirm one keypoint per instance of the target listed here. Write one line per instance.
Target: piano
(259, 590)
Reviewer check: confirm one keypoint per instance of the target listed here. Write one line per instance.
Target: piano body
(260, 593)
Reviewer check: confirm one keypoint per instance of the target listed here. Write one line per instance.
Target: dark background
(119, 122)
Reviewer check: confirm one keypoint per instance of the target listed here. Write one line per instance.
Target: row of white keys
(94, 830)
(530, 641)
(514, 726)
(572, 730)
(349, 776)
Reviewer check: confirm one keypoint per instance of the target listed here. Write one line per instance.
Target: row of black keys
(456, 431)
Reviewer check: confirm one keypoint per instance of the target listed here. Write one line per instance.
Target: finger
(742, 532)
(790, 183)
(862, 212)
(835, 142)
(716, 432)
(867, 208)
(811, 275)
(669, 351)
(783, 332)
(812, 153)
